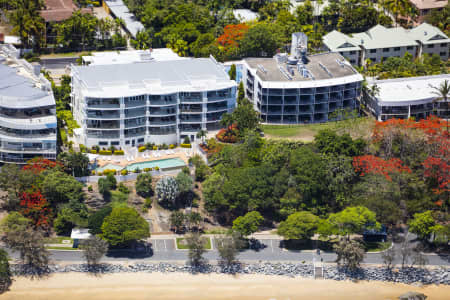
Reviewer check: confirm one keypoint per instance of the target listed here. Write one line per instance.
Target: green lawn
(377, 246)
(57, 240)
(118, 199)
(306, 132)
(183, 246)
(63, 248)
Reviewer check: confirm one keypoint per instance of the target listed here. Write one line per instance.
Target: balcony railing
(104, 135)
(135, 103)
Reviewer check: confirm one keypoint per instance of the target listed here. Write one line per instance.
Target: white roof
(131, 56)
(245, 15)
(12, 39)
(411, 90)
(80, 233)
(337, 41)
(120, 10)
(382, 37)
(428, 34)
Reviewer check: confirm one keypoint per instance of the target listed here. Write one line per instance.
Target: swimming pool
(163, 164)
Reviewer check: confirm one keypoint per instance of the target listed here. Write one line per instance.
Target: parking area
(163, 245)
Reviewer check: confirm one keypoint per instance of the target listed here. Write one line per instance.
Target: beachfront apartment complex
(156, 101)
(380, 43)
(404, 98)
(27, 110)
(301, 88)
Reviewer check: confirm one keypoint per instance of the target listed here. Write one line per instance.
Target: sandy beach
(148, 286)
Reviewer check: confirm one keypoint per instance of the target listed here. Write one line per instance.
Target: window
(444, 45)
(352, 61)
(115, 143)
(373, 59)
(410, 48)
(127, 142)
(352, 52)
(103, 143)
(397, 49)
(443, 53)
(386, 49)
(141, 140)
(385, 58)
(430, 46)
(373, 50)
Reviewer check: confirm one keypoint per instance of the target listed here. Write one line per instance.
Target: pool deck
(181, 153)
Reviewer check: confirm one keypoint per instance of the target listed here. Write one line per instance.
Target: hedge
(93, 151)
(142, 148)
(155, 148)
(171, 146)
(185, 145)
(105, 152)
(124, 172)
(119, 152)
(109, 171)
(147, 169)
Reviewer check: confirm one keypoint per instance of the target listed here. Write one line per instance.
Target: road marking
(165, 246)
(154, 245)
(271, 245)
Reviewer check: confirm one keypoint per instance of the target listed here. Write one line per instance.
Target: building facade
(379, 43)
(424, 7)
(27, 110)
(300, 88)
(402, 98)
(126, 105)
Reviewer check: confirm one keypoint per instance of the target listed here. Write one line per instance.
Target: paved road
(163, 249)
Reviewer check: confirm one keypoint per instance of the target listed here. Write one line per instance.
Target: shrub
(90, 189)
(109, 172)
(123, 188)
(155, 148)
(185, 145)
(93, 151)
(148, 203)
(143, 185)
(149, 146)
(147, 169)
(142, 148)
(119, 152)
(156, 168)
(171, 146)
(82, 148)
(137, 170)
(228, 136)
(167, 190)
(63, 136)
(93, 172)
(186, 140)
(105, 152)
(99, 173)
(124, 172)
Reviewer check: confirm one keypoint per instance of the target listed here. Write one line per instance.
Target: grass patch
(216, 231)
(181, 243)
(376, 246)
(63, 248)
(306, 132)
(66, 54)
(57, 240)
(118, 199)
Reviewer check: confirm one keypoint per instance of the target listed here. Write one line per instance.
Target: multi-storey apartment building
(404, 98)
(131, 104)
(424, 7)
(301, 88)
(27, 110)
(380, 43)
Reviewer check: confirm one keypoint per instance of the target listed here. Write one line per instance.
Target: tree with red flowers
(370, 164)
(39, 164)
(35, 207)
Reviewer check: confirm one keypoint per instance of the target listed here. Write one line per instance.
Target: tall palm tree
(442, 93)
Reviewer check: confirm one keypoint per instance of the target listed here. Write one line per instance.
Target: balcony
(191, 97)
(190, 128)
(92, 124)
(320, 108)
(291, 92)
(321, 98)
(103, 135)
(30, 134)
(134, 123)
(221, 107)
(162, 130)
(135, 132)
(163, 111)
(218, 95)
(190, 119)
(158, 100)
(103, 115)
(290, 100)
(135, 103)
(26, 113)
(135, 113)
(214, 117)
(162, 121)
(103, 104)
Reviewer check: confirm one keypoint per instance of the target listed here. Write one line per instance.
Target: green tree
(95, 220)
(201, 134)
(248, 224)
(196, 245)
(229, 247)
(329, 142)
(260, 40)
(349, 253)
(14, 222)
(58, 187)
(71, 215)
(177, 220)
(232, 72)
(27, 22)
(143, 40)
(77, 32)
(300, 225)
(75, 163)
(422, 224)
(353, 220)
(245, 117)
(184, 182)
(5, 272)
(93, 250)
(124, 226)
(143, 185)
(241, 93)
(442, 92)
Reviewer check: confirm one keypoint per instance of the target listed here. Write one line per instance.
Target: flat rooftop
(411, 89)
(186, 72)
(316, 65)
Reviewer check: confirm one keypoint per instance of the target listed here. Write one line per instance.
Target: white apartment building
(301, 88)
(27, 110)
(380, 43)
(403, 98)
(126, 105)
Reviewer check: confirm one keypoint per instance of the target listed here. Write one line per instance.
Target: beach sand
(140, 286)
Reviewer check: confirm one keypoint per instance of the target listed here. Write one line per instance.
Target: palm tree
(201, 134)
(226, 121)
(442, 92)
